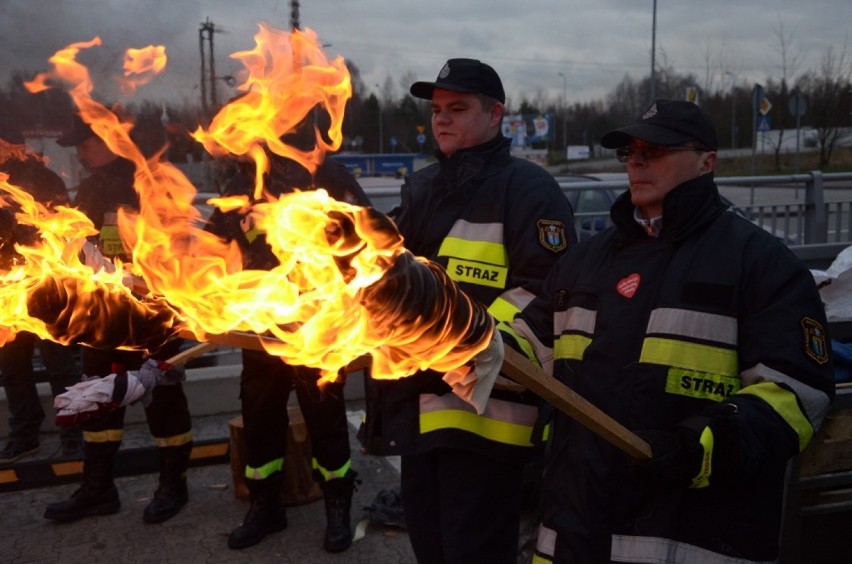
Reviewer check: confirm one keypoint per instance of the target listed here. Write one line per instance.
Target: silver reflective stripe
(814, 401)
(694, 324)
(655, 550)
(543, 354)
(575, 319)
(491, 232)
(500, 410)
(518, 297)
(546, 541)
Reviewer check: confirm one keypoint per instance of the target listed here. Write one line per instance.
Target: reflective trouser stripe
(331, 474)
(502, 422)
(264, 471)
(174, 440)
(658, 550)
(105, 436)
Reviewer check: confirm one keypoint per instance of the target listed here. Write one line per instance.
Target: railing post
(816, 221)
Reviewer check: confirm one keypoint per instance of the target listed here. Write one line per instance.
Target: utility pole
(208, 68)
(564, 112)
(654, 55)
(294, 15)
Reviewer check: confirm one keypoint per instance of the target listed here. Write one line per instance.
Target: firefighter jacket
(713, 321)
(101, 195)
(284, 177)
(497, 224)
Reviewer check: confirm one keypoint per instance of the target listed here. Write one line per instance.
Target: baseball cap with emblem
(463, 75)
(666, 122)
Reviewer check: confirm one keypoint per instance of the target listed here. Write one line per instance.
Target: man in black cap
(108, 188)
(28, 171)
(698, 330)
(497, 224)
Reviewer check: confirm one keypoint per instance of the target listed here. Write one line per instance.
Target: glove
(94, 259)
(155, 373)
(676, 460)
(473, 384)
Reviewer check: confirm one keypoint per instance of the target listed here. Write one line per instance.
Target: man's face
(459, 121)
(94, 153)
(654, 171)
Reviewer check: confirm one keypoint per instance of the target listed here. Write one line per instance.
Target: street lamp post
(733, 109)
(381, 136)
(564, 110)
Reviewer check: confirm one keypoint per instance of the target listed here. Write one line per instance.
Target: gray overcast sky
(594, 43)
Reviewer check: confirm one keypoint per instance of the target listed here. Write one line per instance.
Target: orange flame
(325, 301)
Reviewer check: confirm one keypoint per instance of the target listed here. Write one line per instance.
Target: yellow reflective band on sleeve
(536, 559)
(503, 310)
(253, 234)
(692, 356)
(477, 273)
(525, 345)
(570, 346)
(785, 404)
(331, 474)
(702, 479)
(264, 471)
(105, 436)
(471, 250)
(487, 428)
(174, 440)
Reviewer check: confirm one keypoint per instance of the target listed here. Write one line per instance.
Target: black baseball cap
(79, 132)
(463, 75)
(666, 122)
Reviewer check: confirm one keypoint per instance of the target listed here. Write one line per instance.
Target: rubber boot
(172, 493)
(266, 514)
(97, 495)
(338, 502)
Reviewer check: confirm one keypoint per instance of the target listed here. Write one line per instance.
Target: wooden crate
(299, 486)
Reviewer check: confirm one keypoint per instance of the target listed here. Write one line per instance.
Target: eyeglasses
(650, 152)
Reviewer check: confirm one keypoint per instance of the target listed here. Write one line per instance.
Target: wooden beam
(517, 367)
(566, 400)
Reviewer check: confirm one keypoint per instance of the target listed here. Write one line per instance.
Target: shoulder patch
(551, 235)
(813, 336)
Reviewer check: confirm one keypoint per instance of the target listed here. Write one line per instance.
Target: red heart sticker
(627, 286)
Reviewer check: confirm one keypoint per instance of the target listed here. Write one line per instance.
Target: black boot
(96, 496)
(338, 502)
(172, 493)
(266, 514)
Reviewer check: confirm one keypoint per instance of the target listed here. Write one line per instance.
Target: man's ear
(707, 162)
(497, 113)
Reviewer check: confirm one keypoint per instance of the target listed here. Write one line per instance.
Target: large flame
(329, 300)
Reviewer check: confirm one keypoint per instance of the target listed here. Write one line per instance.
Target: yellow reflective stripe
(702, 479)
(785, 404)
(536, 559)
(503, 310)
(491, 429)
(525, 345)
(503, 421)
(264, 471)
(174, 440)
(477, 273)
(693, 356)
(694, 324)
(479, 251)
(106, 436)
(331, 474)
(570, 346)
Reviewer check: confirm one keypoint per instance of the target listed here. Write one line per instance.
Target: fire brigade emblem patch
(551, 235)
(813, 335)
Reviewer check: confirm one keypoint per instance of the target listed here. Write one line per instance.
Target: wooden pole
(517, 367)
(566, 400)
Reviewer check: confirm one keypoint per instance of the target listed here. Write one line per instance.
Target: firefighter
(266, 381)
(108, 188)
(699, 331)
(497, 224)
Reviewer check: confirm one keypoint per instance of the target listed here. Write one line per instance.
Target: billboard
(527, 129)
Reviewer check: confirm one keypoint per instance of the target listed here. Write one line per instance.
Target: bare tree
(789, 58)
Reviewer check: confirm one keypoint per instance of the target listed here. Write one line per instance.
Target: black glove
(676, 459)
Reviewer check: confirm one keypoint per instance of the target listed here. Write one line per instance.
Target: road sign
(421, 138)
(797, 105)
(764, 123)
(765, 106)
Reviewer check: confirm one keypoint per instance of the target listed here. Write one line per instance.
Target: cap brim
(425, 90)
(646, 132)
